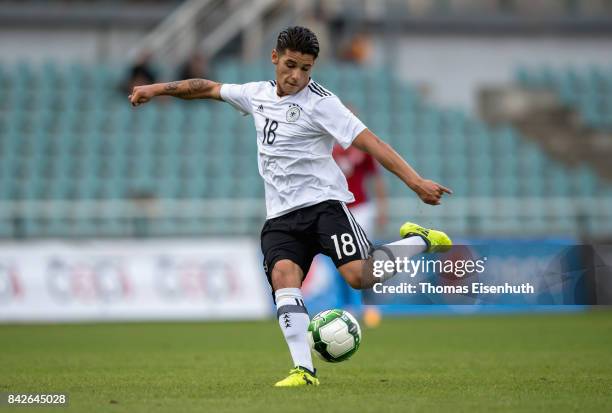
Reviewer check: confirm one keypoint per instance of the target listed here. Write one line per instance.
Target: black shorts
(328, 228)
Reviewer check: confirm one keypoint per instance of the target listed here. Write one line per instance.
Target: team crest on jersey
(293, 113)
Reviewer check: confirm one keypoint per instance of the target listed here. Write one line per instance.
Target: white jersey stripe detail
(362, 238)
(355, 233)
(365, 237)
(357, 239)
(365, 242)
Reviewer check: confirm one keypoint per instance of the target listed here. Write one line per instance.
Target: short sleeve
(335, 118)
(239, 96)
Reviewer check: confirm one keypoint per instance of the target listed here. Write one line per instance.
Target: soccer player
(297, 122)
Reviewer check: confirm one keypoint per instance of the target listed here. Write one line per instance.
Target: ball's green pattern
(334, 335)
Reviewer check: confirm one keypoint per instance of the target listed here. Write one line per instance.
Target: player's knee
(353, 275)
(357, 274)
(286, 274)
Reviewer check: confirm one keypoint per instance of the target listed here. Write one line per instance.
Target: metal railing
(209, 25)
(583, 217)
(175, 36)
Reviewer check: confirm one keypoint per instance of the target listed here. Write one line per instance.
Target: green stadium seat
(586, 90)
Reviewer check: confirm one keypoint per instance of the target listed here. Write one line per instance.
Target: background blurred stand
(558, 129)
(196, 67)
(140, 73)
(357, 50)
(145, 205)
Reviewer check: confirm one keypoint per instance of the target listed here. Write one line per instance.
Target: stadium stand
(587, 90)
(68, 134)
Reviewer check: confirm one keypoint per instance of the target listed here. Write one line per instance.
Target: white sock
(293, 320)
(404, 248)
(415, 241)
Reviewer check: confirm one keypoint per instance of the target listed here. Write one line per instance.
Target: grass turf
(536, 363)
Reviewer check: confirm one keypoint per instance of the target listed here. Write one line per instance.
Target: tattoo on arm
(186, 89)
(172, 86)
(195, 84)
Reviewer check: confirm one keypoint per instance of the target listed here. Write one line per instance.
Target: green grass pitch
(560, 363)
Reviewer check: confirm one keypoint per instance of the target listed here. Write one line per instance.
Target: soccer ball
(334, 335)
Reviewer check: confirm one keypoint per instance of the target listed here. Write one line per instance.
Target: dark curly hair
(299, 39)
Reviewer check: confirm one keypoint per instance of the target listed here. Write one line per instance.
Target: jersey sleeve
(239, 96)
(335, 118)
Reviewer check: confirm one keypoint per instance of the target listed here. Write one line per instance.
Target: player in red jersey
(359, 168)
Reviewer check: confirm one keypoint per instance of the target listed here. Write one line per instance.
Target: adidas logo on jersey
(260, 108)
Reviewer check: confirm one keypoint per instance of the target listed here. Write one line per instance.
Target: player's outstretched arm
(429, 191)
(184, 89)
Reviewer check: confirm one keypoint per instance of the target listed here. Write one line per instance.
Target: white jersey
(295, 137)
